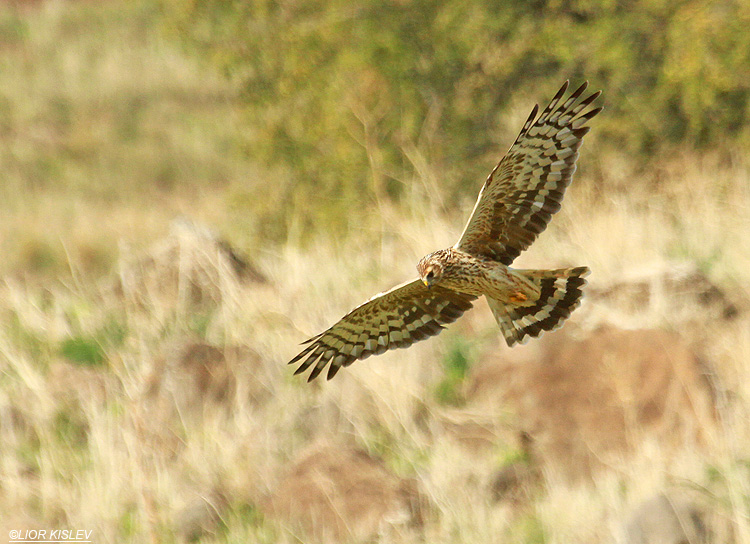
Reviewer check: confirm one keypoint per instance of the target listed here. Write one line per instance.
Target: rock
(514, 483)
(200, 516)
(191, 269)
(665, 520)
(675, 288)
(584, 402)
(184, 227)
(194, 375)
(475, 432)
(73, 383)
(341, 494)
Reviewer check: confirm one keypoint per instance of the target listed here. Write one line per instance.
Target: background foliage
(379, 88)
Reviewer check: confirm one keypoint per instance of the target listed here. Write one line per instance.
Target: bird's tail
(560, 292)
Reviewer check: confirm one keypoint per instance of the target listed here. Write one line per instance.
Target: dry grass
(106, 424)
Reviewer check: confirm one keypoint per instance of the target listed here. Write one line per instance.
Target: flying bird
(514, 207)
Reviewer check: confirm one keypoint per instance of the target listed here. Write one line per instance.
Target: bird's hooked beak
(428, 277)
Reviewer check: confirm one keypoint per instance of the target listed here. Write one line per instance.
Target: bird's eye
(430, 275)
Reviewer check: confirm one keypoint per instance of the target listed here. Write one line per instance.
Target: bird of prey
(513, 208)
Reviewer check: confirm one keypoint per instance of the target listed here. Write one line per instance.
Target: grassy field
(144, 394)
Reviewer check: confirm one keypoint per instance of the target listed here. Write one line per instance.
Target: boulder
(341, 494)
(584, 402)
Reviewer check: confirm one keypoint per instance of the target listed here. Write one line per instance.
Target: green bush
(342, 97)
(83, 350)
(456, 365)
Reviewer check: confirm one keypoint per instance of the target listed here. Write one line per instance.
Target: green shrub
(344, 98)
(456, 365)
(83, 350)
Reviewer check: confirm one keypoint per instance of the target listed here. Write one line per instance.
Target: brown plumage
(514, 206)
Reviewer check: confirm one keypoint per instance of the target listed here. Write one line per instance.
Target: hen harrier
(513, 208)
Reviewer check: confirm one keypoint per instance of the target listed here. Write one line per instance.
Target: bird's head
(430, 270)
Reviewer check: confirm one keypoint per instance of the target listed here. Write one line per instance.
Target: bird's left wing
(527, 186)
(397, 318)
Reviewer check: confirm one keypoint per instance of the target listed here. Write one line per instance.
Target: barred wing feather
(527, 186)
(397, 318)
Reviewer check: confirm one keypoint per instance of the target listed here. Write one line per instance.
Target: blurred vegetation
(347, 100)
(82, 350)
(108, 131)
(456, 364)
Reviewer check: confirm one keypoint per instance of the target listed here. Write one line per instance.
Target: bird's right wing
(527, 186)
(397, 318)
